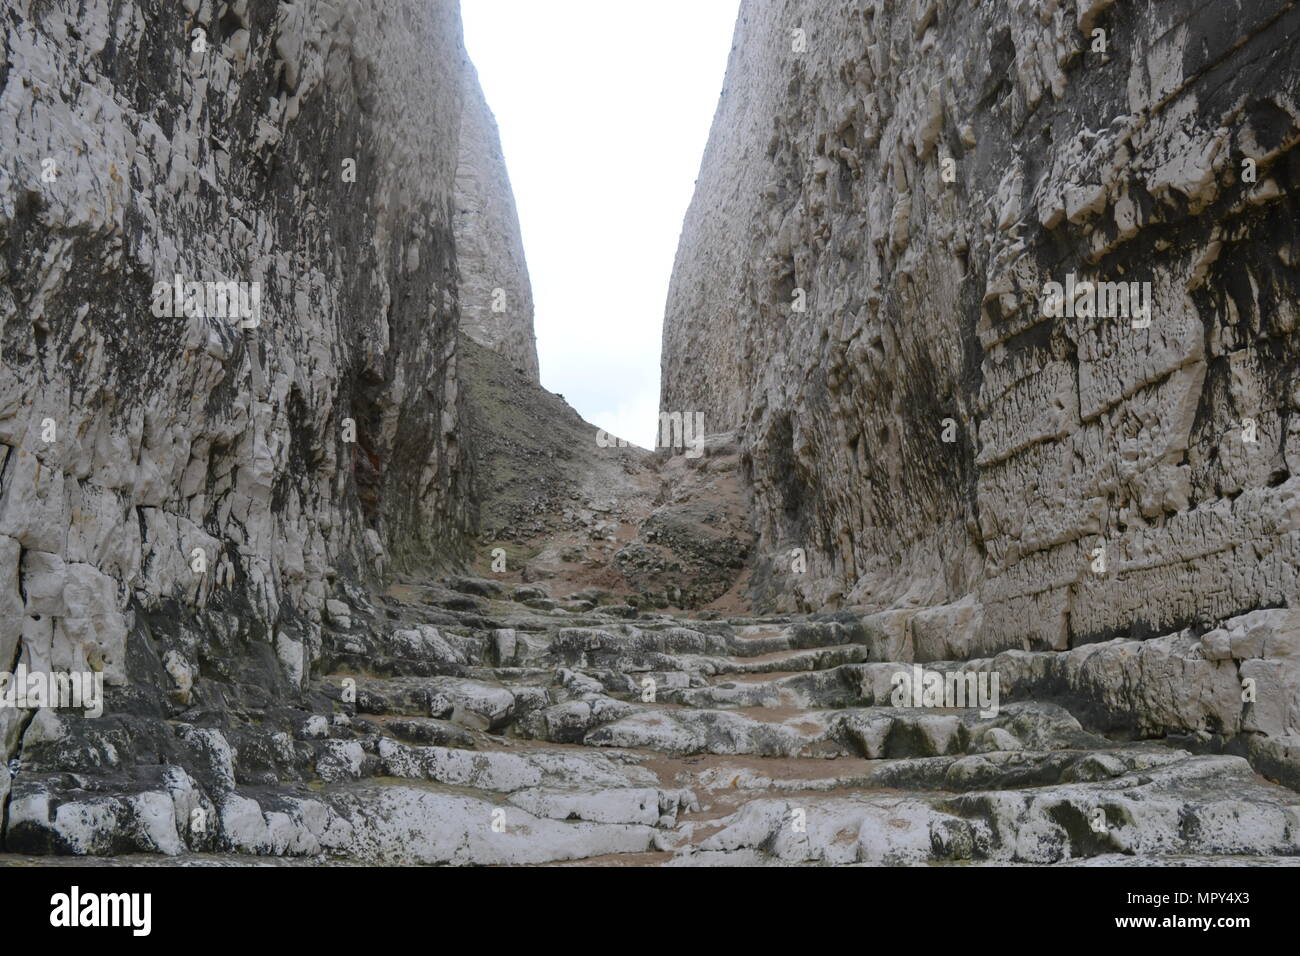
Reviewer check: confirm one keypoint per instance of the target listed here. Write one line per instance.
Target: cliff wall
(184, 484)
(863, 285)
(496, 298)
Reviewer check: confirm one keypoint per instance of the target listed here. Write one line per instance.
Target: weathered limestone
(649, 741)
(496, 298)
(186, 485)
(236, 523)
(887, 192)
(1146, 814)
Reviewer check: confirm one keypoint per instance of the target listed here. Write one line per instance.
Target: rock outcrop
(191, 475)
(454, 724)
(668, 529)
(496, 298)
(864, 284)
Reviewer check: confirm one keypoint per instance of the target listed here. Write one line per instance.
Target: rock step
(505, 812)
(400, 707)
(655, 742)
(1196, 805)
(871, 732)
(495, 765)
(1002, 770)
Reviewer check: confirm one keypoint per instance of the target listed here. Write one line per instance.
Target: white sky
(604, 108)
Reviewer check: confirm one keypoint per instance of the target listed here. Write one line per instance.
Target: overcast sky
(604, 108)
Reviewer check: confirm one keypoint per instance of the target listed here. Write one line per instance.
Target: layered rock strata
(896, 201)
(229, 295)
(496, 297)
(455, 723)
(233, 520)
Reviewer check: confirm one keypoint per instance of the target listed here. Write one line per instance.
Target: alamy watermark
(1106, 300)
(76, 909)
(32, 690)
(924, 688)
(676, 430)
(241, 301)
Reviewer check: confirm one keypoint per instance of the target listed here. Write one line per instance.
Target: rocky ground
(667, 529)
(473, 722)
(608, 698)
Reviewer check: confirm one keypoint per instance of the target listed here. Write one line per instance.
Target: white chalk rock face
(231, 301)
(496, 297)
(999, 337)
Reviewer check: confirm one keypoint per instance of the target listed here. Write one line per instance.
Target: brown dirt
(553, 499)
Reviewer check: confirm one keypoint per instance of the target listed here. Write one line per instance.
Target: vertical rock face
(183, 484)
(865, 285)
(496, 298)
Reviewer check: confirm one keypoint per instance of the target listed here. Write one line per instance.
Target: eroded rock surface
(865, 287)
(512, 735)
(663, 529)
(349, 675)
(912, 176)
(186, 489)
(496, 298)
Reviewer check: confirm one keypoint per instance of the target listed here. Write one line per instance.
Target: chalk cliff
(183, 491)
(496, 298)
(888, 190)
